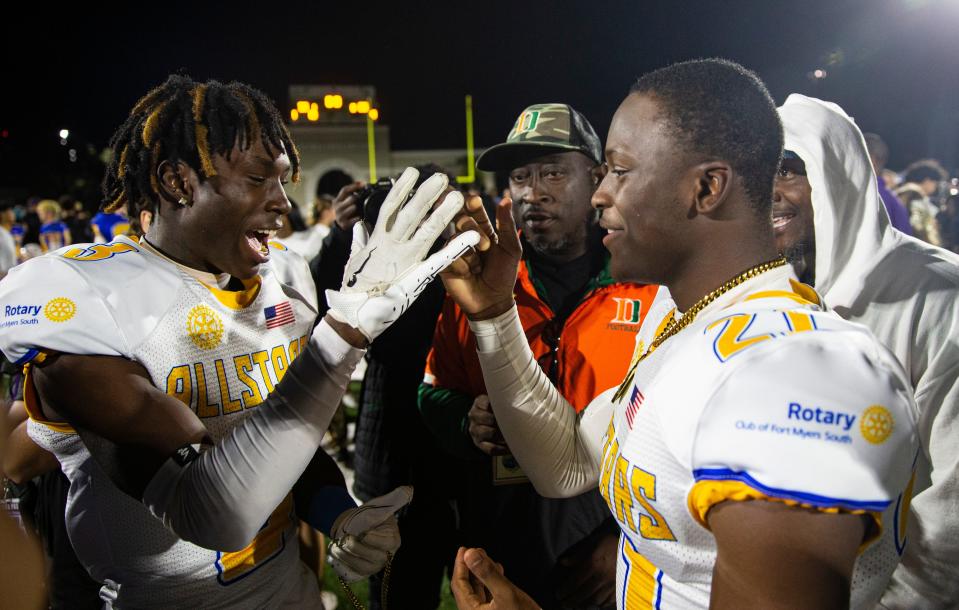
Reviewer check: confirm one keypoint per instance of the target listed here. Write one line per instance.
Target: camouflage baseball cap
(542, 129)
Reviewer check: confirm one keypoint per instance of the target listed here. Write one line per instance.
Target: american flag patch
(635, 401)
(279, 315)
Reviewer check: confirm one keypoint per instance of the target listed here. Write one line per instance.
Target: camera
(371, 198)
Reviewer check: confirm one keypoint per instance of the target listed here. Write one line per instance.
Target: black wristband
(185, 454)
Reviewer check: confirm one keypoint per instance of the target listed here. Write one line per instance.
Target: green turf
(362, 590)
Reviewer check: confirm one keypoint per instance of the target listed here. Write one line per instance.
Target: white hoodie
(907, 293)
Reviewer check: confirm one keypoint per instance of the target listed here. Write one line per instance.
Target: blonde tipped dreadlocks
(182, 120)
(150, 125)
(253, 123)
(294, 152)
(202, 143)
(123, 161)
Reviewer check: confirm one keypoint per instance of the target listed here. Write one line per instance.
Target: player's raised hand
(482, 283)
(346, 206)
(386, 270)
(473, 217)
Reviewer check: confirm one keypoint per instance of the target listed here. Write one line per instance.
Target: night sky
(892, 64)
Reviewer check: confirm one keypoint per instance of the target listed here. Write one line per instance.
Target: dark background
(892, 64)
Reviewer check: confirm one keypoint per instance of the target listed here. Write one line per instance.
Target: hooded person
(831, 224)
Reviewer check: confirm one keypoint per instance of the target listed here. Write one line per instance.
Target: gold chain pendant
(674, 325)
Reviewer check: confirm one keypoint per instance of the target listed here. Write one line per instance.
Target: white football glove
(363, 536)
(386, 270)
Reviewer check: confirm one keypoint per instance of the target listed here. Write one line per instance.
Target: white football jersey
(220, 353)
(764, 396)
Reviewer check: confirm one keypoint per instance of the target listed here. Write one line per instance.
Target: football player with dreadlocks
(198, 506)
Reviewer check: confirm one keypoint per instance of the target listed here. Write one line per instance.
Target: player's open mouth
(258, 240)
(782, 216)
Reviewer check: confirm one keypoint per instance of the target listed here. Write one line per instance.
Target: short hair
(331, 182)
(183, 120)
(877, 148)
(49, 206)
(717, 108)
(925, 169)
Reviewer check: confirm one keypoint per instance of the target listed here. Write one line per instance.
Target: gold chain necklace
(674, 325)
(384, 588)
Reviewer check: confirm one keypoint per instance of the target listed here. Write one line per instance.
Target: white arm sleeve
(559, 451)
(221, 499)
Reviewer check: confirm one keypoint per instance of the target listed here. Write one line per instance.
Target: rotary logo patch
(59, 309)
(876, 424)
(204, 327)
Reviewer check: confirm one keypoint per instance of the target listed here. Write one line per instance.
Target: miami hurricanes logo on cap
(526, 122)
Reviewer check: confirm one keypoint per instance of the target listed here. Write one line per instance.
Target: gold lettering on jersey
(98, 252)
(294, 349)
(250, 396)
(255, 372)
(230, 404)
(204, 407)
(653, 526)
(604, 480)
(610, 450)
(622, 497)
(261, 359)
(278, 356)
(732, 338)
(179, 384)
(610, 437)
(623, 488)
(799, 321)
